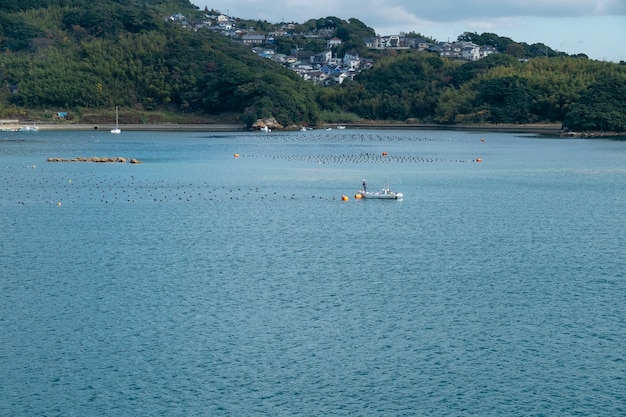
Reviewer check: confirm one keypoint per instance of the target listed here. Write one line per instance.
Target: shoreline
(210, 127)
(522, 128)
(217, 127)
(540, 128)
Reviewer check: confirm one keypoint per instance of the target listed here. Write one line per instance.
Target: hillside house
(372, 43)
(463, 50)
(316, 77)
(333, 42)
(486, 51)
(321, 58)
(394, 42)
(252, 39)
(351, 61)
(391, 41)
(420, 44)
(470, 52)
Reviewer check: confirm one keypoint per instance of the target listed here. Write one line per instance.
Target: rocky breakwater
(98, 159)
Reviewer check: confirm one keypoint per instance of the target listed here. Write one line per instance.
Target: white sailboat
(117, 129)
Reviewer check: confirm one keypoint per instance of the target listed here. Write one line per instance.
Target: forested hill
(580, 93)
(87, 57)
(80, 55)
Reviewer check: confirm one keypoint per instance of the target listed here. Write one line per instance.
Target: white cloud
(450, 10)
(417, 11)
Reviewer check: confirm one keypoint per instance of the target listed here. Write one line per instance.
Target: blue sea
(198, 283)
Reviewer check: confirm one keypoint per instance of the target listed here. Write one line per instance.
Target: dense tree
(508, 46)
(15, 33)
(397, 88)
(506, 99)
(471, 70)
(602, 107)
(496, 89)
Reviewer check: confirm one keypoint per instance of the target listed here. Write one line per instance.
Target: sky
(596, 28)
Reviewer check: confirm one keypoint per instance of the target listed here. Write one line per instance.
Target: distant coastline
(533, 128)
(539, 128)
(545, 128)
(209, 127)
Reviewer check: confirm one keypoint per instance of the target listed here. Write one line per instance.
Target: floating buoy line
(363, 158)
(32, 185)
(324, 137)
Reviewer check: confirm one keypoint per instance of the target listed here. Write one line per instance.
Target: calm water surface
(198, 283)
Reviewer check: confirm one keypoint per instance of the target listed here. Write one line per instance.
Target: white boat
(341, 127)
(28, 128)
(265, 129)
(384, 194)
(117, 129)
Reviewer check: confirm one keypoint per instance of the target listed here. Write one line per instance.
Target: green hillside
(88, 57)
(68, 55)
(583, 94)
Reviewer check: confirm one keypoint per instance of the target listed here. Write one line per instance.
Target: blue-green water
(197, 283)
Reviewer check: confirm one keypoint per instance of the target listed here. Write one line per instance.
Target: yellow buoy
(344, 198)
(236, 155)
(59, 204)
(358, 196)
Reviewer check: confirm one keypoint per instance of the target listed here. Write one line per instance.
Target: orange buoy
(344, 198)
(384, 153)
(479, 160)
(358, 196)
(236, 155)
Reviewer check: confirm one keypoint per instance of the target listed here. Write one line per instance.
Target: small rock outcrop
(267, 122)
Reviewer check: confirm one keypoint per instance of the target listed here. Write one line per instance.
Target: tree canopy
(77, 55)
(496, 89)
(111, 54)
(602, 107)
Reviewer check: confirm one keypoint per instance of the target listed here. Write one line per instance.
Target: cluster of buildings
(326, 68)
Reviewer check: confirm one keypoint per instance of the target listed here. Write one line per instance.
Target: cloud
(453, 10)
(388, 13)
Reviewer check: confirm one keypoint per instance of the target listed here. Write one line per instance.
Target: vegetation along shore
(168, 65)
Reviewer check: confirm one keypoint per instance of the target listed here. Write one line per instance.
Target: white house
(321, 58)
(392, 41)
(486, 51)
(333, 42)
(351, 61)
(252, 39)
(470, 52)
